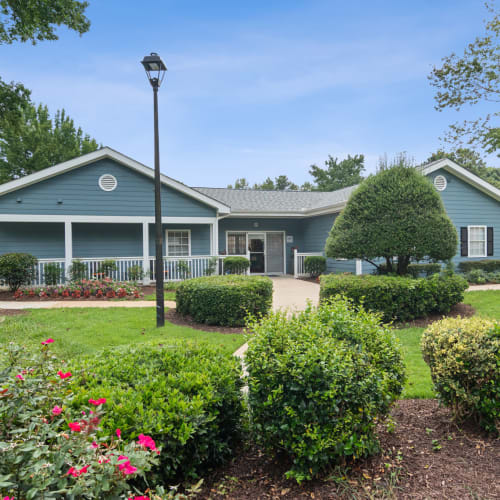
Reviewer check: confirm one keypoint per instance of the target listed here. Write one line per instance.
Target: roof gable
(463, 174)
(108, 153)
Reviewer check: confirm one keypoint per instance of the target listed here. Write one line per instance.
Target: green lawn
(419, 385)
(86, 330)
(152, 296)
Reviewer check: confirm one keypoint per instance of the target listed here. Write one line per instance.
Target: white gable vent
(440, 182)
(108, 182)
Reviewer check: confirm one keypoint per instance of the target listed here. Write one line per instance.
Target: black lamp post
(155, 69)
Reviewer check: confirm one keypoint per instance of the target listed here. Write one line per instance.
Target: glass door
(256, 248)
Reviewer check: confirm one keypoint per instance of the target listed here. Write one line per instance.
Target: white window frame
(246, 242)
(170, 230)
(485, 229)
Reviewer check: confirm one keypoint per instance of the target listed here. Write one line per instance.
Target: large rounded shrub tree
(394, 215)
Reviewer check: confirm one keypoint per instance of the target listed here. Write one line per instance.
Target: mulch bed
(466, 466)
(463, 310)
(12, 312)
(175, 318)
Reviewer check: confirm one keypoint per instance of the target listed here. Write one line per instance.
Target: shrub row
(186, 397)
(397, 298)
(236, 265)
(224, 300)
(464, 358)
(17, 269)
(487, 265)
(318, 382)
(418, 270)
(479, 277)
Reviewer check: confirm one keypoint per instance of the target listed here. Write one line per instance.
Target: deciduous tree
(338, 174)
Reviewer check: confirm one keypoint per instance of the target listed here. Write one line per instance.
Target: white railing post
(248, 268)
(359, 266)
(68, 249)
(145, 252)
(295, 264)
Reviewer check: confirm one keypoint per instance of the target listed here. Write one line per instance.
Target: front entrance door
(275, 262)
(256, 248)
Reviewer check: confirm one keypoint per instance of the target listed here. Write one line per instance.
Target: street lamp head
(155, 69)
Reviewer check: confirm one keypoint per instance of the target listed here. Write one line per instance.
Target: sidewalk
(58, 304)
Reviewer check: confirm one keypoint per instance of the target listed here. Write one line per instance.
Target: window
(179, 243)
(236, 243)
(477, 241)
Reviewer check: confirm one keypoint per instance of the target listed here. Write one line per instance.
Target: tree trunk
(403, 261)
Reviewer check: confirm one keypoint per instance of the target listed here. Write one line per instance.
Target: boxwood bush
(486, 265)
(224, 300)
(315, 265)
(464, 358)
(186, 397)
(319, 381)
(418, 270)
(236, 265)
(397, 298)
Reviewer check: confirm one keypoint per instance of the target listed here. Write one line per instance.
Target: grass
(152, 296)
(87, 330)
(419, 384)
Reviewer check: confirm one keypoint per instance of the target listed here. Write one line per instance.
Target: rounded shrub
(185, 396)
(17, 269)
(236, 265)
(464, 358)
(319, 381)
(395, 297)
(315, 265)
(224, 300)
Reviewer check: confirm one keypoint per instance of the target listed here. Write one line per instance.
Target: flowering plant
(83, 288)
(48, 449)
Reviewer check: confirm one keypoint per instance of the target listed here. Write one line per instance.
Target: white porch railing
(298, 262)
(180, 268)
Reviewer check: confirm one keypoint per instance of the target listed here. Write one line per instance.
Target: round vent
(108, 182)
(440, 182)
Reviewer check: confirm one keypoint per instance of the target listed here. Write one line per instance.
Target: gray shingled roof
(253, 200)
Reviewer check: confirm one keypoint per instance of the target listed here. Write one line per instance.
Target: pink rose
(56, 410)
(75, 426)
(64, 375)
(97, 402)
(48, 341)
(118, 433)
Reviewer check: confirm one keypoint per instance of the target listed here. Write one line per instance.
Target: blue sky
(257, 88)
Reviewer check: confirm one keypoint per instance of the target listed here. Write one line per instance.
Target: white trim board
(463, 174)
(118, 219)
(102, 154)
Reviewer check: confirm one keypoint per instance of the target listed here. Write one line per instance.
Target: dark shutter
(464, 240)
(489, 241)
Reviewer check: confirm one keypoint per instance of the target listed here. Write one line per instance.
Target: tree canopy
(35, 141)
(473, 78)
(35, 20)
(338, 174)
(395, 215)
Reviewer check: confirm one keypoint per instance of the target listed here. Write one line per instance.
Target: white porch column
(359, 266)
(145, 252)
(68, 248)
(214, 238)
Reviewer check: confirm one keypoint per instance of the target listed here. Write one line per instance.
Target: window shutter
(489, 241)
(464, 237)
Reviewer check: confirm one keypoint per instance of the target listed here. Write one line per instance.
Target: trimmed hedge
(487, 265)
(224, 300)
(315, 265)
(187, 397)
(236, 265)
(464, 358)
(397, 298)
(417, 270)
(318, 383)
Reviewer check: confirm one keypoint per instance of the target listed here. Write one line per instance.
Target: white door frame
(264, 232)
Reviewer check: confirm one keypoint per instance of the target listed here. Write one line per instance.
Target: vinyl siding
(200, 238)
(81, 195)
(43, 240)
(467, 206)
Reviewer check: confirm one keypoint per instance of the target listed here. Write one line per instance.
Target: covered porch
(128, 241)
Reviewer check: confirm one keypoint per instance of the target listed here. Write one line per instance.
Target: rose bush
(50, 450)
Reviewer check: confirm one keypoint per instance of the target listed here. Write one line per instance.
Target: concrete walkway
(58, 304)
(292, 294)
(478, 288)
